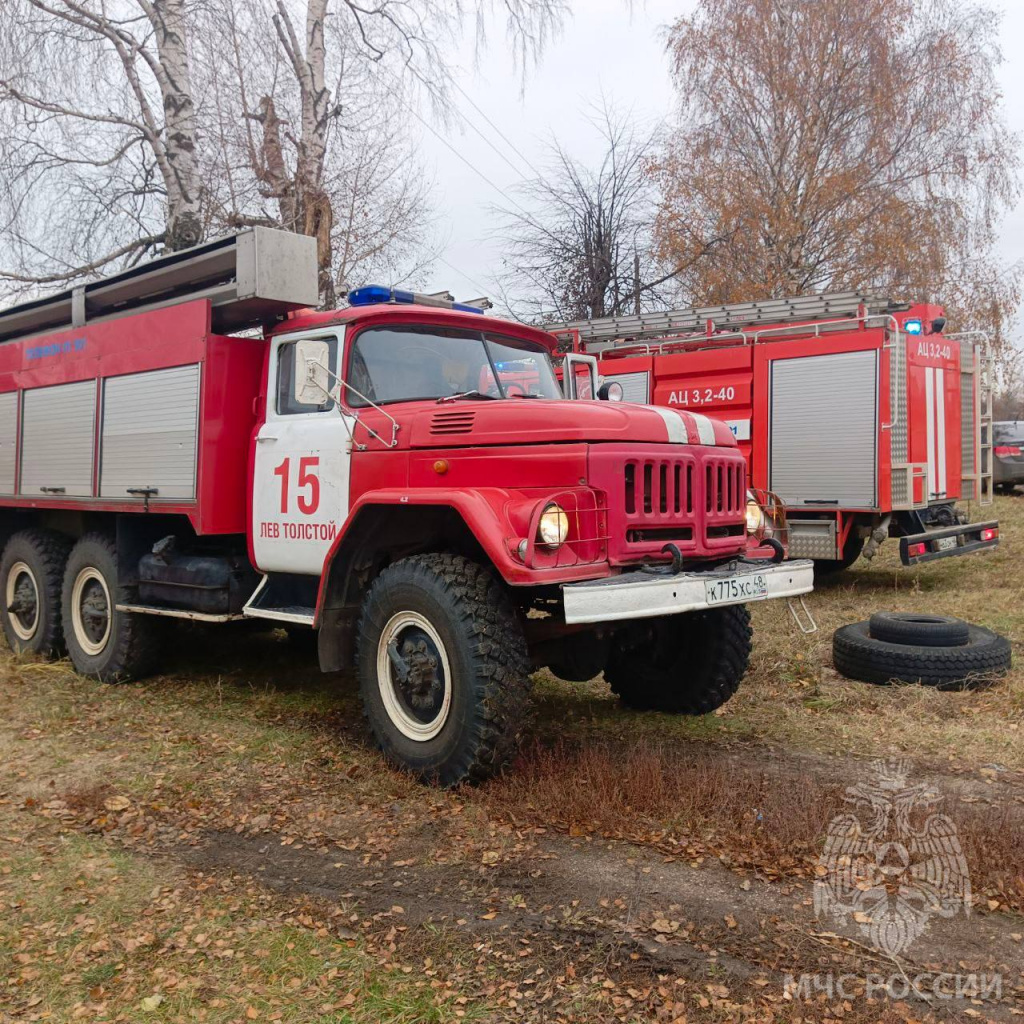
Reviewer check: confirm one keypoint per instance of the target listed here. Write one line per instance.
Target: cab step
(284, 597)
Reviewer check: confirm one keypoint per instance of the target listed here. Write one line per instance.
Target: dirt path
(706, 924)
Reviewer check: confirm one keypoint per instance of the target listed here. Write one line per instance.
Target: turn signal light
(914, 550)
(990, 533)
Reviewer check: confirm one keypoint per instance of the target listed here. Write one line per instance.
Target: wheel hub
(413, 676)
(91, 611)
(22, 601)
(94, 611)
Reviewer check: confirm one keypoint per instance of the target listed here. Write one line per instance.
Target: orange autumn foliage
(829, 145)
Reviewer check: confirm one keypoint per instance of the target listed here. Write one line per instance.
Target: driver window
(286, 403)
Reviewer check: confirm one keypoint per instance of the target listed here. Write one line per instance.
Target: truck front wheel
(111, 645)
(443, 668)
(31, 571)
(685, 664)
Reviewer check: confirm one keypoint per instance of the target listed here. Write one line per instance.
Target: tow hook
(776, 546)
(677, 557)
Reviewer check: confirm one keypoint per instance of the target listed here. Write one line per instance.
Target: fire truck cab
(864, 416)
(187, 441)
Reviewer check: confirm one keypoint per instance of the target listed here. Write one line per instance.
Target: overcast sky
(603, 48)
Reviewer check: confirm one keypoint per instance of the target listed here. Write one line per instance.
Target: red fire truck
(185, 440)
(862, 415)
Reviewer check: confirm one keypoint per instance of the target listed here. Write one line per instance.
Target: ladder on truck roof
(250, 278)
(693, 319)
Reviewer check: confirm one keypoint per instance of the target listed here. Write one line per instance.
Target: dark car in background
(1008, 455)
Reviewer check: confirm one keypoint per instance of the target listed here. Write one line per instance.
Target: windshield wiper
(474, 395)
(521, 395)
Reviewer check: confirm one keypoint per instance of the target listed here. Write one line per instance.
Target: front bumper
(949, 541)
(642, 595)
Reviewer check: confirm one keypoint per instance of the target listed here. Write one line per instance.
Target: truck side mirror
(312, 384)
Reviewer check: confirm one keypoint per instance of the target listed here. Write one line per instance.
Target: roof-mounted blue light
(913, 326)
(368, 295)
(372, 294)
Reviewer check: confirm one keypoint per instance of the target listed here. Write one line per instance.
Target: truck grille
(658, 487)
(695, 499)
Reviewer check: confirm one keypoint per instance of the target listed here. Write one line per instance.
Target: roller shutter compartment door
(823, 436)
(150, 433)
(8, 440)
(58, 440)
(636, 386)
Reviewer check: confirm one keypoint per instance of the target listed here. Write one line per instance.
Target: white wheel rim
(20, 577)
(91, 587)
(415, 638)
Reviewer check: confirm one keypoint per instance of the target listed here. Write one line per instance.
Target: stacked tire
(932, 650)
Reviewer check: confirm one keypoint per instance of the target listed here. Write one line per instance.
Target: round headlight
(755, 517)
(553, 527)
(610, 391)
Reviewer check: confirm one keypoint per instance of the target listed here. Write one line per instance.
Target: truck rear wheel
(111, 645)
(687, 664)
(851, 552)
(31, 572)
(443, 668)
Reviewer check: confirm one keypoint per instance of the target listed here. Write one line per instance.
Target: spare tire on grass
(919, 629)
(858, 655)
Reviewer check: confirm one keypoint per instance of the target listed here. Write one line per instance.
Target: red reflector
(913, 550)
(1006, 449)
(990, 534)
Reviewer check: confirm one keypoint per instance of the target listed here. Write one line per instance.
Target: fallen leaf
(150, 1003)
(117, 803)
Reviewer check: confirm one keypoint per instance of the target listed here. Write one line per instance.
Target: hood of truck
(540, 421)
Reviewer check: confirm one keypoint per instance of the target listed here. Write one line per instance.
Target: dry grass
(774, 820)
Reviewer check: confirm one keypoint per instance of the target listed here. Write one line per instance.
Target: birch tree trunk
(184, 219)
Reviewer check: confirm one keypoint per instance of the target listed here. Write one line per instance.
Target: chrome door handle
(266, 437)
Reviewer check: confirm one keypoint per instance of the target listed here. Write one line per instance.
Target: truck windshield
(400, 364)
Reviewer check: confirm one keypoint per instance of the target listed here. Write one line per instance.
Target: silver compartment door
(150, 433)
(57, 439)
(823, 430)
(636, 386)
(8, 440)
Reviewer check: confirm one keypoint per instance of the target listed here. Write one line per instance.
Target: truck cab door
(300, 491)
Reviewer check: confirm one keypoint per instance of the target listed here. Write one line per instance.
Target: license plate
(945, 543)
(736, 589)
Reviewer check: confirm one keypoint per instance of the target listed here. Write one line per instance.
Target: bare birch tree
(182, 118)
(97, 106)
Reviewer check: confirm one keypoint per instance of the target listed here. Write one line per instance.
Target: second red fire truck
(864, 416)
(185, 440)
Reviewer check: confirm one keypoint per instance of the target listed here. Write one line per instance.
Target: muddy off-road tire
(918, 629)
(687, 664)
(448, 700)
(31, 573)
(102, 642)
(858, 655)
